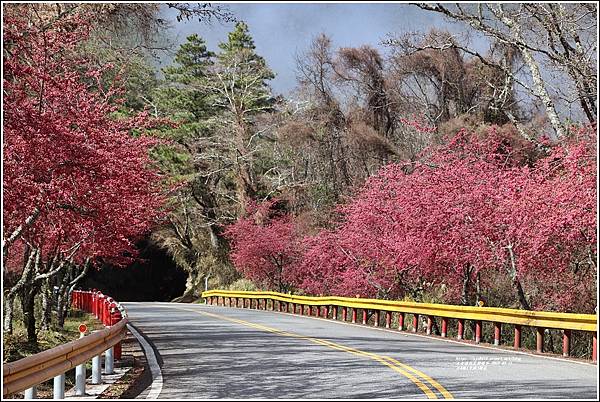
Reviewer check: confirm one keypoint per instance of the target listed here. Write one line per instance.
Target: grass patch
(15, 345)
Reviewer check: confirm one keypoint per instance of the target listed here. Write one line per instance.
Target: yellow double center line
(419, 378)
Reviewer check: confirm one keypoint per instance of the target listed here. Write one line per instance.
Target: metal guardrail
(538, 319)
(26, 373)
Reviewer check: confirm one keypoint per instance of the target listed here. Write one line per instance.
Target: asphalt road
(207, 352)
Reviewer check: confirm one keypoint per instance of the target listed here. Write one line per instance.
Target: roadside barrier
(25, 374)
(328, 306)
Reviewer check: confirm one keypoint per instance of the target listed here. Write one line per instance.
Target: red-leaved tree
(265, 245)
(77, 184)
(469, 212)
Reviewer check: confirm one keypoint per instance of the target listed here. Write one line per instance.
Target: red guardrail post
(444, 327)
(415, 322)
(101, 308)
(388, 319)
(335, 312)
(115, 317)
(594, 349)
(461, 329)
(517, 337)
(497, 333)
(429, 324)
(401, 322)
(566, 342)
(364, 316)
(353, 315)
(540, 340)
(344, 314)
(377, 317)
(477, 331)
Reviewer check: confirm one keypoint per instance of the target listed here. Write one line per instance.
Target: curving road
(207, 352)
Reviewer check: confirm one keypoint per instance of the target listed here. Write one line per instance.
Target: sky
(280, 31)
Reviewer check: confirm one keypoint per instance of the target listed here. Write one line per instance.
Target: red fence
(103, 307)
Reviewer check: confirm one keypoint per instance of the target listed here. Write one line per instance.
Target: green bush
(243, 284)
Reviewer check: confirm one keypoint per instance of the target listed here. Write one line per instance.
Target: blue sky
(280, 30)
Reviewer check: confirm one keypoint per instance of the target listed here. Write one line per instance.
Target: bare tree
(559, 36)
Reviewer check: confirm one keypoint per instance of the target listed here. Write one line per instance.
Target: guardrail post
(566, 342)
(377, 316)
(461, 329)
(594, 349)
(105, 311)
(364, 316)
(31, 393)
(401, 322)
(96, 374)
(115, 317)
(353, 315)
(415, 322)
(335, 312)
(325, 311)
(429, 324)
(109, 361)
(517, 337)
(477, 331)
(540, 340)
(58, 391)
(388, 319)
(497, 333)
(80, 380)
(344, 314)
(444, 327)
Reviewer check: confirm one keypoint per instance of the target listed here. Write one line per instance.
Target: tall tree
(76, 182)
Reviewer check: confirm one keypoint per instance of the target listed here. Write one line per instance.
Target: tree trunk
(9, 304)
(46, 305)
(60, 310)
(28, 306)
(515, 279)
(478, 288)
(464, 298)
(28, 262)
(542, 93)
(70, 286)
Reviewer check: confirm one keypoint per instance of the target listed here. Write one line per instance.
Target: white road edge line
(157, 379)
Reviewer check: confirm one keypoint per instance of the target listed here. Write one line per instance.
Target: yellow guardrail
(542, 319)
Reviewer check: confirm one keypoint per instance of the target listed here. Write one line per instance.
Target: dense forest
(424, 170)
